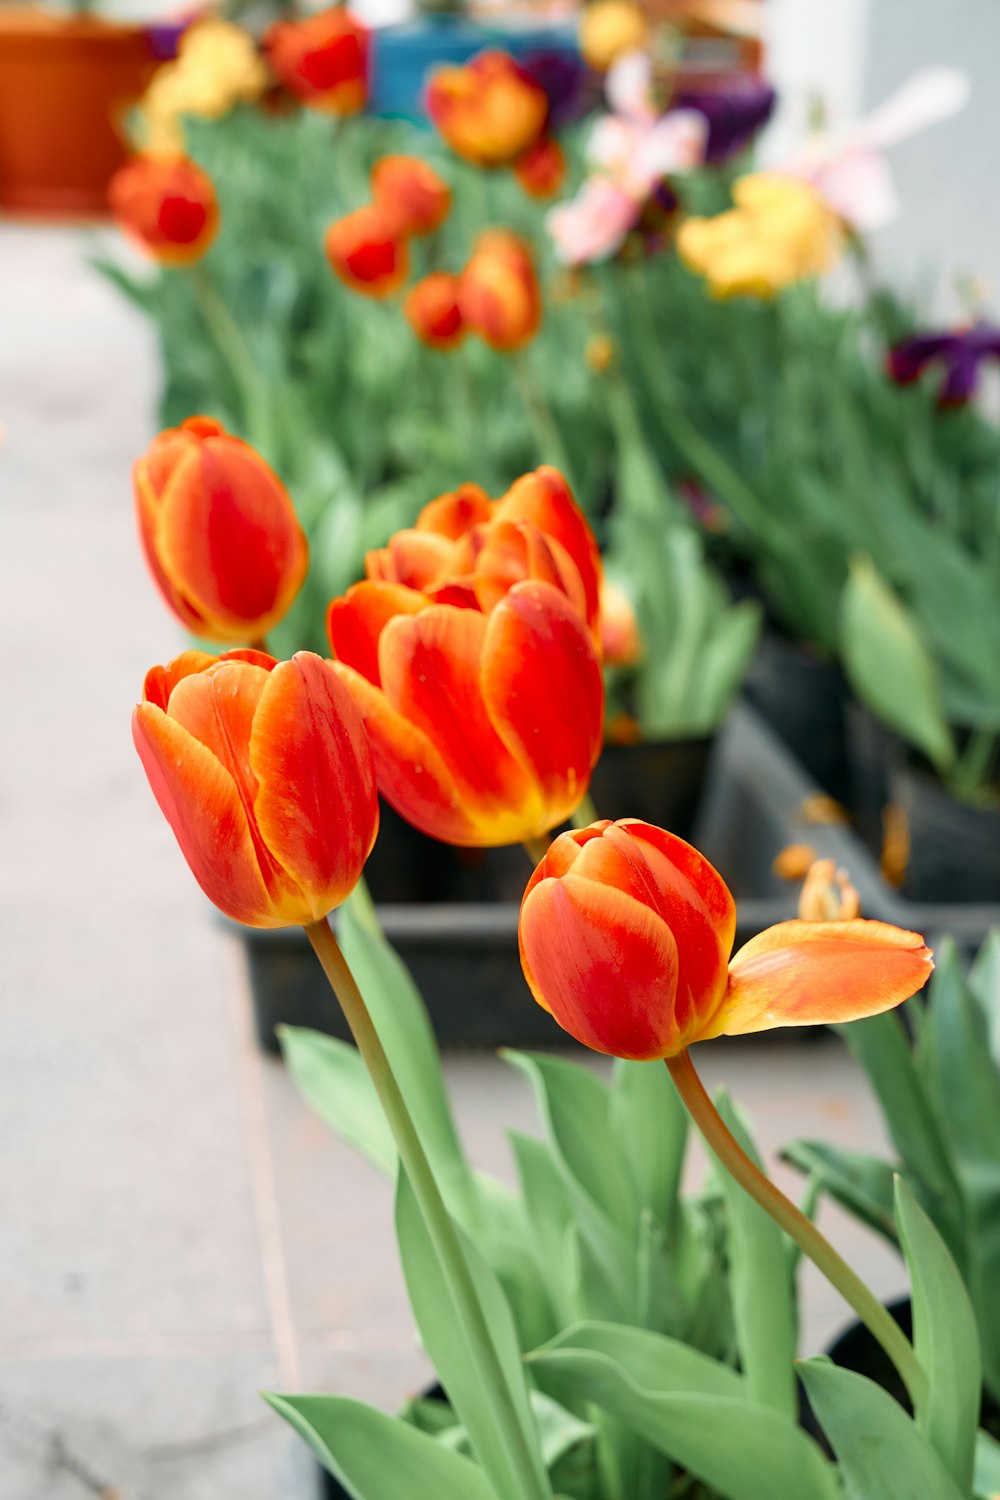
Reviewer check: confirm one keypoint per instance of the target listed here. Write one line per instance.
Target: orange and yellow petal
(454, 514)
(316, 804)
(545, 499)
(355, 622)
(603, 964)
(820, 973)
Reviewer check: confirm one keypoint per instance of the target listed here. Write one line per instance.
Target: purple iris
(566, 79)
(960, 353)
(735, 112)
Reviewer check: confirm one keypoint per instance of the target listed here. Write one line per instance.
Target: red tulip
(499, 292)
(367, 252)
(219, 532)
(479, 681)
(410, 192)
(541, 170)
(625, 937)
(433, 312)
(264, 773)
(167, 206)
(322, 60)
(490, 110)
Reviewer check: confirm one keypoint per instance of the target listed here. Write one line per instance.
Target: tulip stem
(536, 849)
(762, 1190)
(237, 356)
(586, 813)
(451, 1257)
(548, 439)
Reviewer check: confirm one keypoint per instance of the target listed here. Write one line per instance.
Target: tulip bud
(322, 60)
(625, 935)
(489, 110)
(167, 206)
(609, 29)
(621, 643)
(367, 252)
(541, 170)
(433, 312)
(499, 294)
(264, 773)
(219, 532)
(410, 193)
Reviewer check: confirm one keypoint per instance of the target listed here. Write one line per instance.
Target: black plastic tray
(464, 958)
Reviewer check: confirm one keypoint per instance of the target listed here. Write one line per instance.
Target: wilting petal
(355, 622)
(429, 666)
(200, 801)
(543, 687)
(316, 805)
(604, 965)
(412, 775)
(816, 973)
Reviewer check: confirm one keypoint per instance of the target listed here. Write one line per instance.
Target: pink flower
(593, 225)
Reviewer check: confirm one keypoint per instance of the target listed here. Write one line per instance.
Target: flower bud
(410, 194)
(433, 311)
(367, 252)
(489, 110)
(499, 294)
(167, 206)
(322, 60)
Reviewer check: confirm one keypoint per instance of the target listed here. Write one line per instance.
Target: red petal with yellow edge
(412, 776)
(545, 499)
(148, 517)
(544, 690)
(355, 622)
(316, 804)
(819, 973)
(603, 964)
(228, 537)
(430, 667)
(453, 515)
(200, 801)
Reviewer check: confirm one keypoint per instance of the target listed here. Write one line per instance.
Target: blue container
(402, 56)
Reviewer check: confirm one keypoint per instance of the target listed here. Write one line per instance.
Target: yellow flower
(780, 231)
(610, 28)
(217, 66)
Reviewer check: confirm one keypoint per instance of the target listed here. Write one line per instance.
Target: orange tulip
(167, 206)
(264, 773)
(489, 110)
(541, 170)
(481, 689)
(433, 311)
(500, 297)
(625, 937)
(322, 60)
(367, 252)
(621, 642)
(411, 193)
(219, 532)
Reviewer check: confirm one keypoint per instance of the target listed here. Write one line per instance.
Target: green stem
(586, 813)
(440, 1228)
(548, 438)
(795, 1224)
(536, 849)
(238, 357)
(974, 766)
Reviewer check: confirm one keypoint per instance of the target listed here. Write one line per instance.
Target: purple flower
(568, 82)
(735, 112)
(960, 352)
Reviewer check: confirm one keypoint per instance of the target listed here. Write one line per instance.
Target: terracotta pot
(66, 84)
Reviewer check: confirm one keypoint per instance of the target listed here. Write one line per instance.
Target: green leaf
(984, 981)
(881, 1452)
(691, 1408)
(863, 1184)
(987, 1470)
(944, 1338)
(547, 1201)
(405, 1031)
(761, 1285)
(888, 664)
(445, 1338)
(334, 1082)
(649, 1126)
(377, 1457)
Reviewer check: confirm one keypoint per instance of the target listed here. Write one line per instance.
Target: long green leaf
(649, 1126)
(863, 1184)
(377, 1457)
(334, 1082)
(881, 1453)
(945, 1340)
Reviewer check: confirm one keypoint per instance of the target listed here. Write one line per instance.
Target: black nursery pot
(660, 783)
(872, 751)
(954, 847)
(803, 698)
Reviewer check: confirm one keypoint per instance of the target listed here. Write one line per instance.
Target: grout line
(262, 1184)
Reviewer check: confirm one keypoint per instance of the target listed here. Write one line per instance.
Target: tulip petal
(605, 964)
(816, 973)
(228, 536)
(430, 666)
(413, 558)
(316, 805)
(355, 622)
(453, 515)
(545, 499)
(200, 801)
(543, 687)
